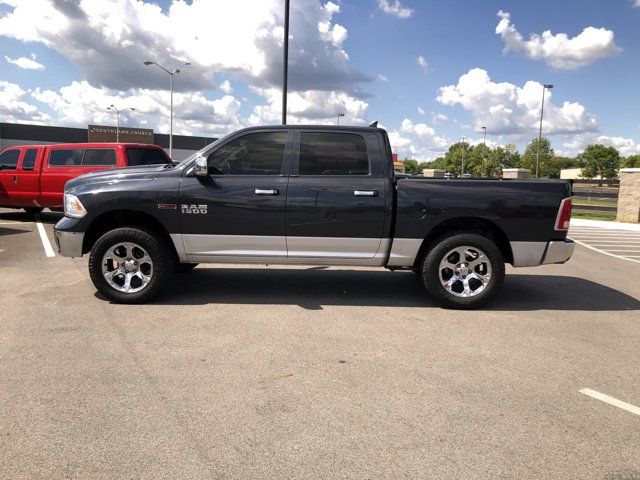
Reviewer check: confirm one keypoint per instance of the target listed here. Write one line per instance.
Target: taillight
(564, 215)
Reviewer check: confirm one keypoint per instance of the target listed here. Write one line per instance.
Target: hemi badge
(167, 206)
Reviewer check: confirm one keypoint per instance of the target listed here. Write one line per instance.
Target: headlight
(73, 206)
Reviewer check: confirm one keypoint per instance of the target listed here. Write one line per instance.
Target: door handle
(260, 191)
(365, 193)
(15, 179)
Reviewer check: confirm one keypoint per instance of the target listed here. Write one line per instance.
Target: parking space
(303, 372)
(617, 242)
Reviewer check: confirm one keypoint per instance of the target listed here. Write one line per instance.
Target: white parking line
(611, 401)
(46, 244)
(606, 253)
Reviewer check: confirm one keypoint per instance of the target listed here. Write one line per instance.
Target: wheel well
(480, 225)
(123, 218)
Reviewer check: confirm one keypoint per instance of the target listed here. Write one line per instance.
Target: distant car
(32, 177)
(466, 175)
(449, 175)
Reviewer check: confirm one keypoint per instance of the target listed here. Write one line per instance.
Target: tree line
(595, 161)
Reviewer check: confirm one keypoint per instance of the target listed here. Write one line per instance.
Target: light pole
(484, 151)
(545, 87)
(171, 74)
(340, 115)
(118, 111)
(463, 149)
(285, 62)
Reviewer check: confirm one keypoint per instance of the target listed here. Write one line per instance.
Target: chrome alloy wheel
(127, 267)
(465, 271)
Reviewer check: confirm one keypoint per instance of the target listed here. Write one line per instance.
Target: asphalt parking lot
(246, 372)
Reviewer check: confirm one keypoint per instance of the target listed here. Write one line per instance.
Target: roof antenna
(374, 124)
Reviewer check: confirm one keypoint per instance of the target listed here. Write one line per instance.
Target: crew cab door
(238, 210)
(9, 177)
(28, 178)
(337, 198)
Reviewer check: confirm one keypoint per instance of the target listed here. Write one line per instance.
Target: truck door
(336, 201)
(28, 191)
(9, 177)
(238, 210)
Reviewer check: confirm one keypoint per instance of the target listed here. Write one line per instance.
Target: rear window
(99, 157)
(145, 156)
(9, 159)
(65, 157)
(333, 154)
(29, 159)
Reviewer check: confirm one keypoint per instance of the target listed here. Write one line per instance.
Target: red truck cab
(32, 177)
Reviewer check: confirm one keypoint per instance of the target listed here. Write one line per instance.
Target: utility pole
(484, 151)
(118, 111)
(545, 87)
(171, 74)
(340, 115)
(285, 62)
(464, 139)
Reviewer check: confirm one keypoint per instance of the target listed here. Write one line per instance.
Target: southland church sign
(100, 133)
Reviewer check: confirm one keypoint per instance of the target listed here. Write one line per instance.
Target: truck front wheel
(130, 265)
(463, 270)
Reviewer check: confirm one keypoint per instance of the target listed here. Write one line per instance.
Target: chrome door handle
(15, 179)
(365, 193)
(260, 191)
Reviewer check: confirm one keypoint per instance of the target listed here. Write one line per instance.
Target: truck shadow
(46, 217)
(313, 287)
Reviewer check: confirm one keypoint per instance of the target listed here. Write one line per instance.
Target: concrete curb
(583, 222)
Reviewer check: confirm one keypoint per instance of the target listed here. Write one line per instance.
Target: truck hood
(118, 175)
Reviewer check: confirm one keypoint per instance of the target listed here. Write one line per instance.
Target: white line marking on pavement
(15, 223)
(611, 401)
(75, 281)
(46, 244)
(606, 253)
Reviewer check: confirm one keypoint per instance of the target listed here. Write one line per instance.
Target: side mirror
(200, 167)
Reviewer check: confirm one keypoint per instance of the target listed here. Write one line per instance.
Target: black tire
(184, 267)
(33, 210)
(156, 249)
(445, 244)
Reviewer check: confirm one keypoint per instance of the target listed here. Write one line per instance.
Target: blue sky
(359, 57)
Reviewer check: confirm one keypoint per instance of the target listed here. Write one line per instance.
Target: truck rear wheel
(463, 270)
(130, 265)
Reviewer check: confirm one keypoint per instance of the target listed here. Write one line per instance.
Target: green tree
(411, 166)
(631, 162)
(437, 163)
(499, 158)
(556, 164)
(528, 159)
(600, 161)
(455, 154)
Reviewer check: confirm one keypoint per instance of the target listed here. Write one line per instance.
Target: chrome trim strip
(559, 252)
(334, 247)
(404, 252)
(527, 254)
(234, 246)
(69, 243)
(176, 238)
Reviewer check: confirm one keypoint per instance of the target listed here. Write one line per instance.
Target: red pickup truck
(32, 177)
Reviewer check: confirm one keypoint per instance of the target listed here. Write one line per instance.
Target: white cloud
(107, 41)
(636, 3)
(395, 9)
(384, 78)
(576, 144)
(226, 87)
(25, 63)
(558, 50)
(423, 63)
(418, 141)
(437, 118)
(506, 109)
(14, 106)
(421, 111)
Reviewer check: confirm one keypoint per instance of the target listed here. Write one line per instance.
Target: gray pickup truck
(309, 195)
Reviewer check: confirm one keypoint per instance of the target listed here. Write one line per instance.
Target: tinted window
(99, 157)
(252, 154)
(333, 154)
(29, 159)
(62, 158)
(9, 159)
(145, 156)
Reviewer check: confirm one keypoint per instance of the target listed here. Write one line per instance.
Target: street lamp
(118, 111)
(340, 115)
(171, 74)
(484, 151)
(285, 62)
(545, 87)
